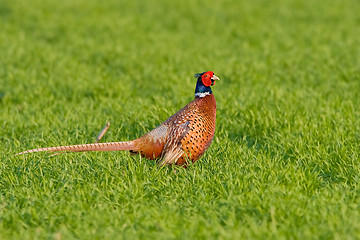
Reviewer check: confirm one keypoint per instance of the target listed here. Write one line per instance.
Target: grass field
(284, 163)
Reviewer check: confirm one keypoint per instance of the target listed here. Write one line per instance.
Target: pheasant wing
(172, 149)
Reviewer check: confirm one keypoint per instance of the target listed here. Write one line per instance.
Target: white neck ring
(202, 94)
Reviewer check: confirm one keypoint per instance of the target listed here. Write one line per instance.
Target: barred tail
(109, 146)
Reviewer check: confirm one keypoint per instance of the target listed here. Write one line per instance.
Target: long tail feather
(109, 146)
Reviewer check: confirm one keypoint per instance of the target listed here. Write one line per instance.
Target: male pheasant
(183, 137)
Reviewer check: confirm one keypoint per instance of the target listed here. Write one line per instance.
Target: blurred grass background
(285, 159)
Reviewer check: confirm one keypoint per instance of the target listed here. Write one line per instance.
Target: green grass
(284, 163)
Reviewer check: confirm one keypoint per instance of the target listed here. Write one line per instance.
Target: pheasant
(183, 137)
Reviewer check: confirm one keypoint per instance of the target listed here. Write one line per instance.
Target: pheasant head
(204, 81)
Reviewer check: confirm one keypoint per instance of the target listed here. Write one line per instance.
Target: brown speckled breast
(201, 114)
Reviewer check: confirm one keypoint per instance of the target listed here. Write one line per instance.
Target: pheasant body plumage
(183, 137)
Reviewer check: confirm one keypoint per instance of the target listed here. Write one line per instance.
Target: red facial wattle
(206, 79)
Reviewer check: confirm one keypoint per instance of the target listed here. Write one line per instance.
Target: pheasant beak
(213, 79)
